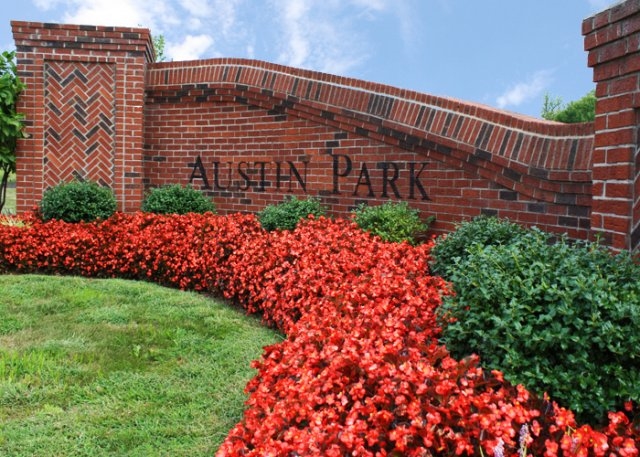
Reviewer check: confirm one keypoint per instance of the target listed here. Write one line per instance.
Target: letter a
(199, 167)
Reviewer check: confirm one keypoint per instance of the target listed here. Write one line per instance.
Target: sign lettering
(246, 175)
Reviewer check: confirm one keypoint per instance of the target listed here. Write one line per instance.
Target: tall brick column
(612, 38)
(83, 102)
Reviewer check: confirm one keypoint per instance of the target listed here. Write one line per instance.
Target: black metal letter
(294, 170)
(263, 178)
(245, 177)
(414, 181)
(390, 180)
(364, 179)
(199, 167)
(336, 170)
(216, 179)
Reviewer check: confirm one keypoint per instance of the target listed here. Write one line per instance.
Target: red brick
(610, 51)
(623, 85)
(623, 136)
(621, 155)
(621, 119)
(619, 190)
(616, 224)
(613, 172)
(617, 102)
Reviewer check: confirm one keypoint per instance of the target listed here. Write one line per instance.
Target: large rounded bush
(175, 199)
(286, 215)
(78, 201)
(391, 221)
(482, 231)
(555, 317)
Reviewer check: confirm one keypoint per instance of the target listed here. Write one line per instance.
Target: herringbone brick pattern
(79, 122)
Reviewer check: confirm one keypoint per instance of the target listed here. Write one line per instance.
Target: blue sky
(502, 53)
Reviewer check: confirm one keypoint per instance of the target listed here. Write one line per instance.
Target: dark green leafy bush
(483, 231)
(78, 201)
(558, 318)
(286, 215)
(391, 221)
(175, 199)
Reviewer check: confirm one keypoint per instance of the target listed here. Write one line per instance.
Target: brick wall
(84, 108)
(612, 38)
(250, 122)
(250, 133)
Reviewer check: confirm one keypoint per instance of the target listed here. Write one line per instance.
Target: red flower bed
(361, 372)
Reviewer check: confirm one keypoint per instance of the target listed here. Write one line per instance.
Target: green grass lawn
(119, 368)
(10, 205)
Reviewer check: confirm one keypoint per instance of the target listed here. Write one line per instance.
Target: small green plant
(286, 215)
(175, 199)
(13, 221)
(483, 231)
(392, 221)
(555, 317)
(78, 201)
(11, 122)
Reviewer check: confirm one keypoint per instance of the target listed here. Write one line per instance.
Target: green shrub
(286, 215)
(175, 199)
(556, 318)
(78, 201)
(391, 221)
(483, 231)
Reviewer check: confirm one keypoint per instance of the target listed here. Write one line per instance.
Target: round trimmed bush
(175, 199)
(482, 231)
(556, 317)
(392, 221)
(78, 201)
(286, 215)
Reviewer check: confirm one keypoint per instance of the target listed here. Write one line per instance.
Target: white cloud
(200, 8)
(318, 35)
(191, 48)
(524, 91)
(296, 23)
(45, 4)
(371, 8)
(226, 16)
(194, 23)
(152, 14)
(107, 12)
(213, 17)
(251, 51)
(187, 25)
(409, 27)
(221, 13)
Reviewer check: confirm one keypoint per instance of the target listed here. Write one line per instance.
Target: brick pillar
(83, 104)
(612, 39)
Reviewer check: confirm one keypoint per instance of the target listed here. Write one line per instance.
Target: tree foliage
(158, 46)
(11, 122)
(581, 110)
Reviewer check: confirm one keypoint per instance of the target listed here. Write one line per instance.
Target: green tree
(11, 122)
(581, 110)
(158, 46)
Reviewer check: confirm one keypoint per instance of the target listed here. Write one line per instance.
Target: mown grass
(10, 204)
(119, 368)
